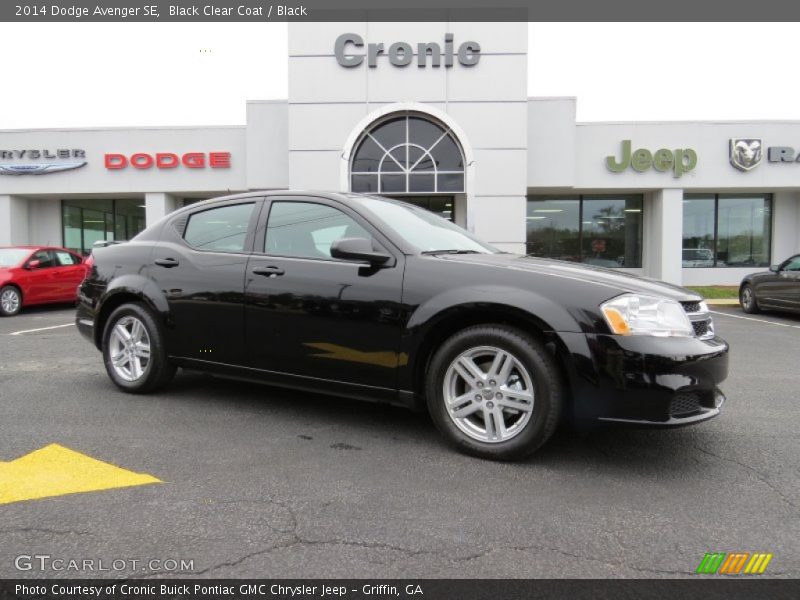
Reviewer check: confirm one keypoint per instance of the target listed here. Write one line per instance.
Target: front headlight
(634, 314)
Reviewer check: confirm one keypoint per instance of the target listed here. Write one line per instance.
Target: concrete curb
(722, 302)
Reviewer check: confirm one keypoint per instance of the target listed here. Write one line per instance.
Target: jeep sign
(679, 161)
(401, 54)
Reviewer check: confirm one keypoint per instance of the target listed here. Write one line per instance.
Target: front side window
(221, 229)
(726, 230)
(46, 259)
(308, 229)
(407, 154)
(793, 264)
(604, 231)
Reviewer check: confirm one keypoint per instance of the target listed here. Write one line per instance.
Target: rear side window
(221, 229)
(65, 259)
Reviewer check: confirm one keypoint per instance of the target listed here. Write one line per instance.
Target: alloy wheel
(10, 301)
(129, 348)
(488, 394)
(747, 297)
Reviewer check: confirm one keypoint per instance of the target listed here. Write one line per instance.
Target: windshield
(424, 230)
(11, 257)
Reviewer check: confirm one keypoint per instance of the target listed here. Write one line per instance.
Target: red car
(38, 275)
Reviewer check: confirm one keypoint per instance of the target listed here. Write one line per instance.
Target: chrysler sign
(40, 161)
(349, 51)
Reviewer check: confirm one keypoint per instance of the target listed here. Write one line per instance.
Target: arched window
(407, 154)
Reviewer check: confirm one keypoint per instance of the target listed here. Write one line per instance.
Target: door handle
(271, 271)
(167, 262)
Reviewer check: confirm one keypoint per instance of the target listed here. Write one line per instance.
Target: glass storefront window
(698, 231)
(727, 230)
(553, 226)
(603, 230)
(85, 222)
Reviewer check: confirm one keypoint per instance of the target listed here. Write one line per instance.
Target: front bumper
(645, 380)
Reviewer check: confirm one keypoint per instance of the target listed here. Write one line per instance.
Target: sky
(138, 74)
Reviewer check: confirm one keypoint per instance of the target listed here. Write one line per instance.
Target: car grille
(701, 319)
(684, 405)
(701, 327)
(691, 307)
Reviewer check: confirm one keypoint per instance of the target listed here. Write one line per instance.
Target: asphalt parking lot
(261, 482)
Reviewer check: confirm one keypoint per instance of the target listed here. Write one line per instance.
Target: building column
(157, 205)
(663, 230)
(13, 221)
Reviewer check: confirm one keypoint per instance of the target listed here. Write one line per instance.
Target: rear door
(199, 265)
(69, 271)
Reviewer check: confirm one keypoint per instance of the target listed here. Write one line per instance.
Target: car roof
(39, 247)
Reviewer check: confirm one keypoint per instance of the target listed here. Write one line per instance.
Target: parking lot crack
(559, 551)
(44, 531)
(758, 474)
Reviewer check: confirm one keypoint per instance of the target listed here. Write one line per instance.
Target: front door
(786, 288)
(312, 316)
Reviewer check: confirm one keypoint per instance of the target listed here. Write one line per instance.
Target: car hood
(617, 282)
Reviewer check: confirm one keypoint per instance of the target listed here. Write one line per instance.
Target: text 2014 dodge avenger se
(373, 298)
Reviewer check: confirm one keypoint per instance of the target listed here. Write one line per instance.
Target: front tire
(747, 299)
(10, 301)
(494, 392)
(133, 351)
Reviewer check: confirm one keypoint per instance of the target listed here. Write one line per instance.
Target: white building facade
(436, 114)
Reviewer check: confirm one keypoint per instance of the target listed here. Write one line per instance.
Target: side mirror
(357, 249)
(775, 268)
(33, 264)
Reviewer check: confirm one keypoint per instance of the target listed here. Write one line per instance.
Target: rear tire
(133, 350)
(747, 300)
(10, 301)
(494, 392)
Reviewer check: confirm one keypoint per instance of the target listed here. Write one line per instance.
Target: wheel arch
(137, 290)
(457, 318)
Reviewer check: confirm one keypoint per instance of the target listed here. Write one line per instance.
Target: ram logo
(746, 153)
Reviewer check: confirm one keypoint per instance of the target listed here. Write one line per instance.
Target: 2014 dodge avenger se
(374, 298)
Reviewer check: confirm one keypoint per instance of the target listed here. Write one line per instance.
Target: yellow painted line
(40, 329)
(56, 471)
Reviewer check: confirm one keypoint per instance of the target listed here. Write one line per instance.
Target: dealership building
(436, 114)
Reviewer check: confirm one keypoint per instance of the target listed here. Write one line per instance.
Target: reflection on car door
(310, 315)
(199, 265)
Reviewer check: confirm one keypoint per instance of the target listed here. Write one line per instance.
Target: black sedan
(776, 289)
(373, 298)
